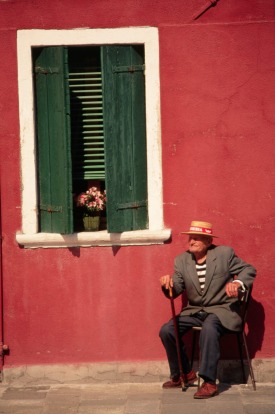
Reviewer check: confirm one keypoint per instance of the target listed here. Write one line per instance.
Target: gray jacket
(222, 265)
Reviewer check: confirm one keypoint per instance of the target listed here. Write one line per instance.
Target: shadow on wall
(256, 327)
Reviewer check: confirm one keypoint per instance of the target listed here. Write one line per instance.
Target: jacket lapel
(210, 269)
(191, 267)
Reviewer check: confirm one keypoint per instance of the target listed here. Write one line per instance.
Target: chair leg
(249, 362)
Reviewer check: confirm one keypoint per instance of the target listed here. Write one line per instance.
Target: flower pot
(91, 223)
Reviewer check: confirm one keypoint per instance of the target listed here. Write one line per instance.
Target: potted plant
(92, 202)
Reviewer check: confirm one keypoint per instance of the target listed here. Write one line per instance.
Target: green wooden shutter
(125, 137)
(53, 140)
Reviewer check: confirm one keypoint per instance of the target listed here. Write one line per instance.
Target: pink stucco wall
(218, 126)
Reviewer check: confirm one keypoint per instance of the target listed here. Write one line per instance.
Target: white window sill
(91, 239)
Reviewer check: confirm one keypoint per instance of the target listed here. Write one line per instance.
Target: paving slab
(259, 409)
(133, 398)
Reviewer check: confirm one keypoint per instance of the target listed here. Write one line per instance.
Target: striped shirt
(201, 271)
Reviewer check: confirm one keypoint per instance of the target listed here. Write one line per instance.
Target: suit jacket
(222, 265)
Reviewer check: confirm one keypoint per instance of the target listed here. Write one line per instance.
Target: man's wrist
(242, 287)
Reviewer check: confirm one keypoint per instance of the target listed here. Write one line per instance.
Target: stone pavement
(133, 398)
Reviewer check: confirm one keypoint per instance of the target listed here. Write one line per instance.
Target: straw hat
(200, 227)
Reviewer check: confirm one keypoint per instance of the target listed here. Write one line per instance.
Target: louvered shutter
(87, 120)
(125, 137)
(53, 140)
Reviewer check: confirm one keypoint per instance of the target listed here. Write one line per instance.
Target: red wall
(218, 124)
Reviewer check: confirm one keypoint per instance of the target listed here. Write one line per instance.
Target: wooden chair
(241, 338)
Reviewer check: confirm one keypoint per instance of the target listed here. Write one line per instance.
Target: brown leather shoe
(175, 382)
(207, 390)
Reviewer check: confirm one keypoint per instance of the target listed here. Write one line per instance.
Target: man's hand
(232, 289)
(166, 281)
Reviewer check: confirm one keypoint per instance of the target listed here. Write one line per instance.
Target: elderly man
(212, 277)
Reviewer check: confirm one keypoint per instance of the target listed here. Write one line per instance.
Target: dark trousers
(209, 343)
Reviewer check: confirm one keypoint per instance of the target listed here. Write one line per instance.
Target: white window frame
(29, 237)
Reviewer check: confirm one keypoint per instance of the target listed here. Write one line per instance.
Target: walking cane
(183, 380)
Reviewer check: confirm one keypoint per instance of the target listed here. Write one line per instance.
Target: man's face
(199, 244)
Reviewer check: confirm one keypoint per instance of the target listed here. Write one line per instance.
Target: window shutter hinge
(131, 205)
(130, 69)
(46, 71)
(50, 209)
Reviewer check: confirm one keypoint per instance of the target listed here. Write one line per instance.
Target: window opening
(87, 129)
(101, 122)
